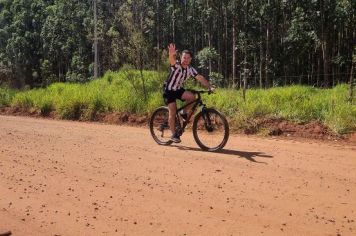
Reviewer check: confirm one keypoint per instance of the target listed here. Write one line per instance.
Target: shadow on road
(8, 233)
(240, 154)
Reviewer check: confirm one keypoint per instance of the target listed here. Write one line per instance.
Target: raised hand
(172, 49)
(172, 54)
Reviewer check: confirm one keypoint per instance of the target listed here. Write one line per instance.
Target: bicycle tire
(156, 124)
(197, 126)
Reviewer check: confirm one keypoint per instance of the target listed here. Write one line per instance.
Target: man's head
(186, 58)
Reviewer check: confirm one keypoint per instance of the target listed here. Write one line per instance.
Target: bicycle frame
(197, 103)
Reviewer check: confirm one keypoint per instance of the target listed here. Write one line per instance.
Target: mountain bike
(210, 127)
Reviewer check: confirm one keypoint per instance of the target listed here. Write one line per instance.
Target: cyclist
(173, 86)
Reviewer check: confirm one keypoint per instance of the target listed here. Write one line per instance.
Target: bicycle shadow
(250, 156)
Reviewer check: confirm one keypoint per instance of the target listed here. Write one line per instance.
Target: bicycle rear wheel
(159, 126)
(210, 130)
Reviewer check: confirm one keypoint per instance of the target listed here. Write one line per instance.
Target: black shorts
(170, 96)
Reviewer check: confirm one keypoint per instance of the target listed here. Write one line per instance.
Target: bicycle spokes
(159, 126)
(163, 125)
(210, 130)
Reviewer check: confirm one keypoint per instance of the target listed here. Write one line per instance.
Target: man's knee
(188, 96)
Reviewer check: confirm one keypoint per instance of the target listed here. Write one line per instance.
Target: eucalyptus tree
(66, 46)
(20, 38)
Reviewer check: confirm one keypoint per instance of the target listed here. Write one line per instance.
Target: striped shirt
(178, 75)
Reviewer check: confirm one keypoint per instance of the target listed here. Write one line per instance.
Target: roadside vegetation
(127, 91)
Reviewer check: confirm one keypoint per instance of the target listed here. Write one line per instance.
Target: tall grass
(6, 96)
(115, 91)
(123, 92)
(296, 103)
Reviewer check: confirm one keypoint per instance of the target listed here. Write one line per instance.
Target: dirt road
(71, 178)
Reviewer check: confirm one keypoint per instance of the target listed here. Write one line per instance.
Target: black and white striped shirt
(178, 75)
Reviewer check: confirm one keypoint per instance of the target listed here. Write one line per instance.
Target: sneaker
(175, 138)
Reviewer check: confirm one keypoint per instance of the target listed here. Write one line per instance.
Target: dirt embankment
(265, 127)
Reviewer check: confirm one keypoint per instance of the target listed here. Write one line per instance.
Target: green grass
(6, 96)
(122, 92)
(296, 103)
(116, 91)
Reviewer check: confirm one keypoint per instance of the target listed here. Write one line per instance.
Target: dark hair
(188, 52)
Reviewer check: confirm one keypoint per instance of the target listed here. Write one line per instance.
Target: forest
(236, 43)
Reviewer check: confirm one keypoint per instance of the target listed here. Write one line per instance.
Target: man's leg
(172, 107)
(188, 97)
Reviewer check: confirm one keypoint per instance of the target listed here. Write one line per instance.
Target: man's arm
(203, 81)
(172, 54)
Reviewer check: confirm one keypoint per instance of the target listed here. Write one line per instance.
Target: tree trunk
(173, 24)
(311, 61)
(209, 44)
(324, 47)
(95, 41)
(267, 52)
(245, 77)
(194, 29)
(142, 77)
(318, 73)
(267, 58)
(219, 21)
(254, 68)
(226, 49)
(158, 35)
(234, 51)
(351, 82)
(325, 64)
(261, 56)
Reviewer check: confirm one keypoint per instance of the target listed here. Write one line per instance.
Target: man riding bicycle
(173, 86)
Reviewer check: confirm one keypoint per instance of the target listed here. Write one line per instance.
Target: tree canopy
(268, 42)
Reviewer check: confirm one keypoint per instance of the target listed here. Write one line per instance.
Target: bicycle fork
(207, 120)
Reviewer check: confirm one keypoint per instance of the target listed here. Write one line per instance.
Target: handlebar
(200, 91)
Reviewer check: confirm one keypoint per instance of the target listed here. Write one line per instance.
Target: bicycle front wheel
(159, 126)
(210, 130)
